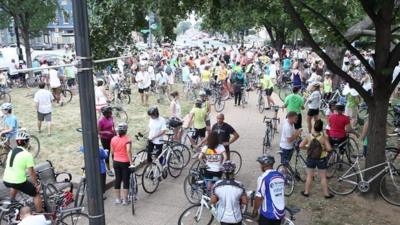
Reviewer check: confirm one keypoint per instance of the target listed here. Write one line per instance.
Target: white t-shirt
(214, 157)
(162, 79)
(272, 71)
(34, 220)
(151, 72)
(143, 79)
(113, 79)
(178, 111)
(156, 126)
(228, 206)
(54, 80)
(44, 98)
(314, 100)
(45, 71)
(287, 132)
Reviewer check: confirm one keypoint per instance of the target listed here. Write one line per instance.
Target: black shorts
(199, 133)
(209, 175)
(268, 91)
(44, 116)
(26, 187)
(321, 164)
(71, 82)
(141, 91)
(265, 221)
(313, 112)
(297, 125)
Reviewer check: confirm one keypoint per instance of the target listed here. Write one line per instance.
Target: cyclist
(10, 124)
(295, 103)
(144, 81)
(107, 132)
(267, 86)
(207, 106)
(176, 112)
(157, 129)
(224, 131)
(238, 80)
(229, 194)
(43, 99)
(121, 149)
(339, 124)
(313, 102)
(288, 137)
(18, 161)
(270, 194)
(321, 147)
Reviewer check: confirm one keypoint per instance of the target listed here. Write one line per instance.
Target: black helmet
(198, 103)
(122, 128)
(106, 110)
(340, 106)
(228, 167)
(266, 160)
(153, 111)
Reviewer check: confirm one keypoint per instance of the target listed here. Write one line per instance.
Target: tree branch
(369, 9)
(348, 45)
(356, 30)
(329, 62)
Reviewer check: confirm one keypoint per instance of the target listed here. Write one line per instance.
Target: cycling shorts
(26, 187)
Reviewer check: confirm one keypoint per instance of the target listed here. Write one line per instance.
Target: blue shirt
(10, 121)
(103, 155)
(271, 187)
(185, 74)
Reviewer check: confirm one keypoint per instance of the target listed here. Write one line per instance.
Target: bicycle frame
(203, 203)
(360, 172)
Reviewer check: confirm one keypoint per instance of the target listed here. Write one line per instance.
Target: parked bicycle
(271, 128)
(5, 95)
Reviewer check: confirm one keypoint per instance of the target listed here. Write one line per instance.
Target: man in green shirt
(18, 161)
(198, 114)
(295, 103)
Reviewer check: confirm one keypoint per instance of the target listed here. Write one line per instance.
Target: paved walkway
(165, 205)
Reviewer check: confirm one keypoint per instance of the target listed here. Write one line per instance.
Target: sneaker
(125, 202)
(118, 201)
(110, 173)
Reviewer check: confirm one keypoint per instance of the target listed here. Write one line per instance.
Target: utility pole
(88, 114)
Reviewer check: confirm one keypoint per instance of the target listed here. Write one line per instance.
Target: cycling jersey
(271, 187)
(214, 157)
(18, 160)
(229, 193)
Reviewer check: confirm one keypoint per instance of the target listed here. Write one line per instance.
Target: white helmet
(22, 135)
(6, 106)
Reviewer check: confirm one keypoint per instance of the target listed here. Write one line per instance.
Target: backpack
(315, 148)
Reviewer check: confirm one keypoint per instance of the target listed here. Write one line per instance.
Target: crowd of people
(233, 68)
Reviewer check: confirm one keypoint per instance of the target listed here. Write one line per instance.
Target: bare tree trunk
(25, 36)
(336, 54)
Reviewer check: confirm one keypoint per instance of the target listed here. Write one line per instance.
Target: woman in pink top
(106, 133)
(121, 149)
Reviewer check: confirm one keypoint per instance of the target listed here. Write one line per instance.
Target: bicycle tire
(266, 142)
(283, 92)
(261, 104)
(148, 174)
(34, 146)
(389, 187)
(67, 95)
(352, 149)
(332, 158)
(120, 115)
(193, 217)
(3, 159)
(185, 153)
(72, 219)
(134, 190)
(392, 154)
(5, 97)
(235, 157)
(289, 179)
(195, 165)
(175, 163)
(124, 98)
(300, 169)
(219, 105)
(336, 185)
(31, 82)
(140, 161)
(80, 193)
(192, 190)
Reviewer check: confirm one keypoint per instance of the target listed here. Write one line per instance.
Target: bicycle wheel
(139, 161)
(219, 105)
(287, 221)
(389, 188)
(196, 214)
(283, 92)
(75, 218)
(266, 141)
(352, 150)
(332, 158)
(67, 95)
(237, 159)
(5, 97)
(195, 165)
(300, 169)
(261, 104)
(213, 96)
(289, 179)
(34, 146)
(193, 190)
(80, 193)
(120, 115)
(175, 163)
(340, 183)
(185, 153)
(3, 159)
(124, 98)
(133, 190)
(150, 178)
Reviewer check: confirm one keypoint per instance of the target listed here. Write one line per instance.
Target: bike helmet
(198, 103)
(207, 91)
(266, 160)
(6, 106)
(122, 127)
(106, 110)
(228, 167)
(340, 106)
(202, 93)
(22, 135)
(153, 111)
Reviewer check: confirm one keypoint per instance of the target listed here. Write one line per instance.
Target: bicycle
(271, 128)
(245, 94)
(4, 95)
(133, 188)
(349, 148)
(65, 92)
(119, 114)
(293, 173)
(169, 161)
(260, 100)
(346, 178)
(123, 93)
(81, 190)
(33, 147)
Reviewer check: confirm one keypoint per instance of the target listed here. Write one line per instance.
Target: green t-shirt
(352, 101)
(199, 120)
(69, 72)
(17, 173)
(294, 103)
